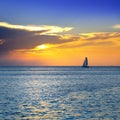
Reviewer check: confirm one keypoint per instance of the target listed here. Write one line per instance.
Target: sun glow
(43, 46)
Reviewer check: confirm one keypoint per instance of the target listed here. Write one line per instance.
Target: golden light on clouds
(47, 29)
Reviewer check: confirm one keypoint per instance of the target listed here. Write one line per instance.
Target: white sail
(85, 63)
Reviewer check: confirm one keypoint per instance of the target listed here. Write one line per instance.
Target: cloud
(14, 37)
(1, 41)
(117, 26)
(99, 35)
(26, 38)
(93, 39)
(47, 29)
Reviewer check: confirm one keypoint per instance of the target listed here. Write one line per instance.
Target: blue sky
(84, 15)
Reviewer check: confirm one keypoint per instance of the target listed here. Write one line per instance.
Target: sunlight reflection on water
(62, 96)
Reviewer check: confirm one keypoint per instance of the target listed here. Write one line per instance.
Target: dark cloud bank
(13, 39)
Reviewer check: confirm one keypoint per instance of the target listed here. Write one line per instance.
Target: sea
(59, 93)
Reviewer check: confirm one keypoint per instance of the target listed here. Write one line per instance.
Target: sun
(43, 46)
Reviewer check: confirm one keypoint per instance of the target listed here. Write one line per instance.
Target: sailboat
(85, 63)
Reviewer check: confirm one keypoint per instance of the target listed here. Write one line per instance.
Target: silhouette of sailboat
(85, 63)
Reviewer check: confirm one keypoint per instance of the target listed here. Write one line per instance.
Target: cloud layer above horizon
(20, 37)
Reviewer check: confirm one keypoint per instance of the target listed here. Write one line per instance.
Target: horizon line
(57, 66)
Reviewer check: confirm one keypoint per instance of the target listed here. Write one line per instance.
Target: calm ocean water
(61, 93)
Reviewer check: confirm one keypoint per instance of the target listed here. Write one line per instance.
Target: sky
(59, 32)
